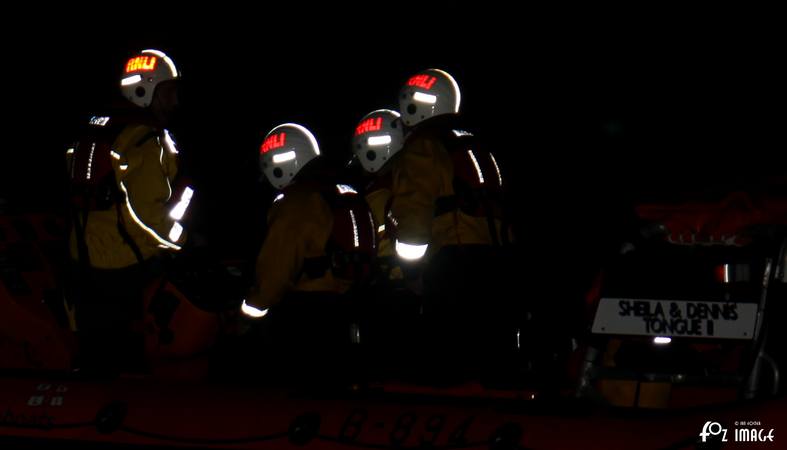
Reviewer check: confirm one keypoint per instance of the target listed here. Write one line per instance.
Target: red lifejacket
(91, 177)
(352, 245)
(477, 183)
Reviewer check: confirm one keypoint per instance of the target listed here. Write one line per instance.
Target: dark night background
(586, 115)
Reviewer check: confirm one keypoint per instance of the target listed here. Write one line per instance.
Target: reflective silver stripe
(133, 79)
(497, 168)
(283, 157)
(392, 218)
(477, 167)
(344, 189)
(90, 161)
(410, 252)
(252, 311)
(171, 147)
(99, 121)
(161, 161)
(179, 210)
(425, 98)
(375, 141)
(175, 232)
(460, 133)
(356, 243)
(371, 223)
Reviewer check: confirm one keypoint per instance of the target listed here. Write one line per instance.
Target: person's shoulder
(138, 127)
(439, 131)
(381, 182)
(299, 205)
(437, 126)
(299, 196)
(136, 136)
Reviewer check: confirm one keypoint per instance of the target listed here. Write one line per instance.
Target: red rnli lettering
(371, 124)
(422, 81)
(141, 64)
(273, 142)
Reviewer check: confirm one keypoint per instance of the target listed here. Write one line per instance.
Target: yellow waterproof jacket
(378, 196)
(144, 162)
(422, 173)
(300, 224)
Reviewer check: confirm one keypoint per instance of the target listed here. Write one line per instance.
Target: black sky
(586, 113)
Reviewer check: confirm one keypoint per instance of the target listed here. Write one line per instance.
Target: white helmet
(429, 93)
(143, 73)
(284, 152)
(377, 138)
